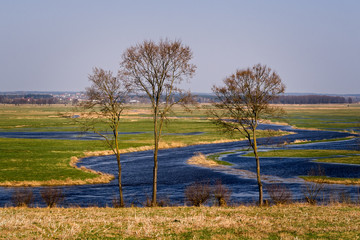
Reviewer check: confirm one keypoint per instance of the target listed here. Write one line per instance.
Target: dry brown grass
(101, 178)
(162, 145)
(200, 160)
(301, 141)
(347, 181)
(277, 222)
(267, 121)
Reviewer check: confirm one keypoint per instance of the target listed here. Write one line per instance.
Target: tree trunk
(119, 180)
(117, 153)
(153, 201)
(258, 170)
(156, 148)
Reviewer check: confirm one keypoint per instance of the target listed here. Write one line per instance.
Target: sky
(314, 45)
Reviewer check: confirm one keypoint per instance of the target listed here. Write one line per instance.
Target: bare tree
(312, 190)
(156, 70)
(243, 101)
(52, 196)
(106, 98)
(198, 193)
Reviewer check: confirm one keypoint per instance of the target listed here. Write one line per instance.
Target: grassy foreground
(276, 222)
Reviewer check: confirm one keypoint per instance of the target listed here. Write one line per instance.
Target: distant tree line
(311, 99)
(29, 99)
(289, 99)
(46, 99)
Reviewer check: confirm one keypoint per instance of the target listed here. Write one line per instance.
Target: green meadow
(309, 154)
(46, 160)
(338, 117)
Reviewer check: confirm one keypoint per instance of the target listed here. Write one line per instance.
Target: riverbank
(303, 221)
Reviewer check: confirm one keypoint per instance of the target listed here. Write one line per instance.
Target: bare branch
(156, 70)
(243, 101)
(105, 103)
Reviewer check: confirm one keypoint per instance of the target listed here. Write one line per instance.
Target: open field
(337, 117)
(298, 221)
(33, 161)
(47, 118)
(45, 160)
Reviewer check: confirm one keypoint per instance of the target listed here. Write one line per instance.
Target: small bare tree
(22, 197)
(243, 101)
(52, 196)
(105, 104)
(279, 194)
(221, 193)
(198, 193)
(313, 189)
(156, 70)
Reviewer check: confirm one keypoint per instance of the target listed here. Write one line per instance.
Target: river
(174, 174)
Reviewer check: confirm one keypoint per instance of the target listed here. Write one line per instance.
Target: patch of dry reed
(162, 145)
(200, 160)
(101, 178)
(301, 141)
(355, 181)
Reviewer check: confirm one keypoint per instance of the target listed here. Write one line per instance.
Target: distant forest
(39, 99)
(42, 99)
(295, 99)
(312, 99)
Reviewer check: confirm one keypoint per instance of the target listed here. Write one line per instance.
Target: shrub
(221, 194)
(161, 202)
(22, 197)
(197, 193)
(312, 190)
(345, 197)
(279, 194)
(52, 196)
(116, 202)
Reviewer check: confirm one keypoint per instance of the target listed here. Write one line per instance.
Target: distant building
(134, 101)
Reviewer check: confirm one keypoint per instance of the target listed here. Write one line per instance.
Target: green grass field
(338, 117)
(306, 153)
(44, 160)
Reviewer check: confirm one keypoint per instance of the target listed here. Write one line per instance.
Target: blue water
(174, 174)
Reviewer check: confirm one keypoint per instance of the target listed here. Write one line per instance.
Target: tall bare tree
(156, 70)
(105, 103)
(243, 101)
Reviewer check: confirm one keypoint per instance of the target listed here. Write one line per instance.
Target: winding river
(175, 174)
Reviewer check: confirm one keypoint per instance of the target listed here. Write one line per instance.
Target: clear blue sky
(314, 45)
